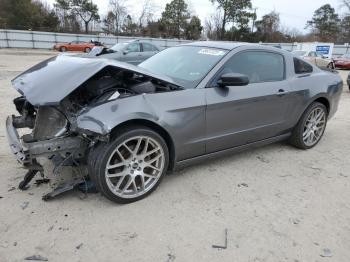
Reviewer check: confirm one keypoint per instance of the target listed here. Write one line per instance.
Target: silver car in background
(315, 58)
(133, 52)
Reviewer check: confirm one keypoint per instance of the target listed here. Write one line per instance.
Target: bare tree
(119, 11)
(146, 14)
(212, 25)
(346, 3)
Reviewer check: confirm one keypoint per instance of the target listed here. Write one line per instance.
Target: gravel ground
(276, 202)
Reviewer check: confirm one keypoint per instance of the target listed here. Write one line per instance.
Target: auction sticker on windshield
(214, 52)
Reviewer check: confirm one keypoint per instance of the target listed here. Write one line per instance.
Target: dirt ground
(276, 202)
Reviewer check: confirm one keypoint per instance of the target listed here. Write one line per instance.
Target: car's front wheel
(310, 127)
(87, 50)
(131, 166)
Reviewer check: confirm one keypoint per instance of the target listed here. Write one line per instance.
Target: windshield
(119, 47)
(187, 65)
(346, 56)
(299, 53)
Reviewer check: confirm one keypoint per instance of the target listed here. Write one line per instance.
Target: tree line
(232, 20)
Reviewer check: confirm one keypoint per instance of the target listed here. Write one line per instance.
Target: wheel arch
(156, 128)
(323, 100)
(320, 99)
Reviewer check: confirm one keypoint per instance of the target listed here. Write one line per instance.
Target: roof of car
(219, 44)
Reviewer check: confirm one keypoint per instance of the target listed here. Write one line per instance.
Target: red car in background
(342, 62)
(80, 46)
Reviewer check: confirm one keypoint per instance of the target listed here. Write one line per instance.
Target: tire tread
(297, 135)
(99, 153)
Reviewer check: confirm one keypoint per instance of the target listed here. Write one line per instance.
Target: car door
(239, 115)
(70, 46)
(148, 50)
(73, 46)
(81, 46)
(311, 57)
(321, 61)
(132, 54)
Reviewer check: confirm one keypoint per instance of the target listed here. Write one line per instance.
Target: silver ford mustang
(123, 126)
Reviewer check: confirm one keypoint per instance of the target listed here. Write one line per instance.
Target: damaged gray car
(123, 126)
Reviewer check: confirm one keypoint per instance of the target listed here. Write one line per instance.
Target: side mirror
(69, 43)
(233, 79)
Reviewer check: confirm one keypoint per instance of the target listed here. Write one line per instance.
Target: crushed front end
(53, 132)
(47, 147)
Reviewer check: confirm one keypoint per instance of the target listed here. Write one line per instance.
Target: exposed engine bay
(110, 84)
(55, 148)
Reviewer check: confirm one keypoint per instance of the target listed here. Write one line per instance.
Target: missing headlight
(49, 123)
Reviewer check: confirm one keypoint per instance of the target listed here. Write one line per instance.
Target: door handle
(282, 92)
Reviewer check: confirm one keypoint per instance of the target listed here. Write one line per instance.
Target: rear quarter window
(301, 67)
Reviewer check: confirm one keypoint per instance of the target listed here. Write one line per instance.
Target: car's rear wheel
(87, 50)
(310, 127)
(131, 166)
(63, 49)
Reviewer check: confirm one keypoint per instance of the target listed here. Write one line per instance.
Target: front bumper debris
(25, 153)
(21, 153)
(58, 160)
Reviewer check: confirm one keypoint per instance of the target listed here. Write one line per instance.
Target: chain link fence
(46, 40)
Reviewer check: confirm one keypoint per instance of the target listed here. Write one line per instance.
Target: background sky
(293, 13)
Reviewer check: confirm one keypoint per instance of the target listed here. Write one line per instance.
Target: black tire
(297, 135)
(100, 155)
(331, 65)
(63, 49)
(87, 50)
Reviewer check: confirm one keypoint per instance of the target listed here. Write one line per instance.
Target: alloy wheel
(314, 126)
(134, 167)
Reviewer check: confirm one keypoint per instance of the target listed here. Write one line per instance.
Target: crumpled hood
(50, 81)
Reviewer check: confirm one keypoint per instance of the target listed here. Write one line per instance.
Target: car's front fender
(103, 118)
(180, 113)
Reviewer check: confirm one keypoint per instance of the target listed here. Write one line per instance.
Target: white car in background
(315, 58)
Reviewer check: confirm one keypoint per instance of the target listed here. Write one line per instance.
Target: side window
(133, 47)
(301, 67)
(148, 47)
(259, 66)
(155, 48)
(312, 54)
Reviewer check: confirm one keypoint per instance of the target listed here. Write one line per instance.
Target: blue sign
(323, 49)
